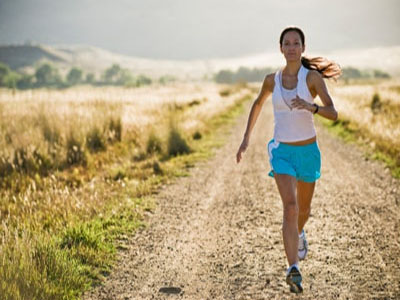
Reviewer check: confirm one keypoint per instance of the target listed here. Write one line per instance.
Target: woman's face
(292, 48)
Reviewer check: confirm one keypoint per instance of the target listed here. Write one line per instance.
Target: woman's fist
(242, 148)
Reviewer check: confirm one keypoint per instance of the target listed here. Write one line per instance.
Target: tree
(110, 75)
(224, 76)
(380, 74)
(47, 75)
(125, 78)
(4, 73)
(74, 76)
(143, 80)
(25, 81)
(8, 78)
(89, 78)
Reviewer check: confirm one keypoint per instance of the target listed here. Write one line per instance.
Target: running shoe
(303, 246)
(293, 279)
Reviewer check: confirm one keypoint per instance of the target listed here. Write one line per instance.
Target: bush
(154, 144)
(376, 103)
(44, 164)
(197, 135)
(6, 168)
(114, 129)
(157, 168)
(143, 80)
(24, 162)
(176, 144)
(75, 152)
(95, 141)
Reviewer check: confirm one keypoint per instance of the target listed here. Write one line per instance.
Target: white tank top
(292, 124)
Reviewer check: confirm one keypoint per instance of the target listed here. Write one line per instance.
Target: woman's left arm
(318, 84)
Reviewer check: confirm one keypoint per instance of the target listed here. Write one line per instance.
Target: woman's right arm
(266, 90)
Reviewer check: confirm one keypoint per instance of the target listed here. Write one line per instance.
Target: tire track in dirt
(217, 233)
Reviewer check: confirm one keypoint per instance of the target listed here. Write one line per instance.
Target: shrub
(75, 152)
(24, 162)
(157, 168)
(95, 141)
(197, 135)
(376, 103)
(43, 163)
(114, 129)
(154, 144)
(139, 155)
(143, 80)
(6, 168)
(176, 143)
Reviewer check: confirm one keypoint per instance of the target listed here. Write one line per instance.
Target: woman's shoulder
(313, 75)
(269, 81)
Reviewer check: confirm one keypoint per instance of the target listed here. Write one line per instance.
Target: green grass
(60, 256)
(381, 150)
(62, 266)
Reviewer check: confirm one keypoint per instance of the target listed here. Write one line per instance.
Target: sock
(301, 234)
(290, 268)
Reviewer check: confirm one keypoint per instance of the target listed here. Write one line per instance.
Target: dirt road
(217, 233)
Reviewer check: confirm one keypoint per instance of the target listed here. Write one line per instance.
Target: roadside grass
(62, 251)
(374, 147)
(369, 115)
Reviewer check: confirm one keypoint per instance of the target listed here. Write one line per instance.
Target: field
(369, 113)
(79, 167)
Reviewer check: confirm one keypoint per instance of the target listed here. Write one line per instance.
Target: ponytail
(327, 68)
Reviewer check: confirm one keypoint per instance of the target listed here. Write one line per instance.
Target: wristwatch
(317, 108)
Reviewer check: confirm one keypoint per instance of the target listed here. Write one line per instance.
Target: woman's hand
(242, 148)
(302, 104)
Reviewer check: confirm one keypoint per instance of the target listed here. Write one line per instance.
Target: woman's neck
(292, 68)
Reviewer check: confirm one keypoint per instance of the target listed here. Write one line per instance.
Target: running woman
(294, 154)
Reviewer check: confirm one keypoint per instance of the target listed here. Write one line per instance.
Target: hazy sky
(187, 29)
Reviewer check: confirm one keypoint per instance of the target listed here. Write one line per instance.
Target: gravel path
(217, 233)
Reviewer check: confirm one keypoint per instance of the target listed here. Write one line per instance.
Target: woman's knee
(305, 211)
(290, 211)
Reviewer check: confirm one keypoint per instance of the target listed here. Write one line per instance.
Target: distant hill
(96, 60)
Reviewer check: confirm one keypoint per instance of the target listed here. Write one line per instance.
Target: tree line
(244, 74)
(47, 75)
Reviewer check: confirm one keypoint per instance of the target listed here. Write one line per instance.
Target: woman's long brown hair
(327, 68)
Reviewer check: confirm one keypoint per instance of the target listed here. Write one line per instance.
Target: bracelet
(316, 109)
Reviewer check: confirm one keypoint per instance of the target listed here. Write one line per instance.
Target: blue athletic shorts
(302, 162)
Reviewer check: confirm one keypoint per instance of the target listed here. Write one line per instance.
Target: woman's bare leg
(305, 191)
(287, 189)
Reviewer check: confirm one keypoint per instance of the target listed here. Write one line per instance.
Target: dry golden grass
(58, 220)
(26, 116)
(370, 112)
(354, 103)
